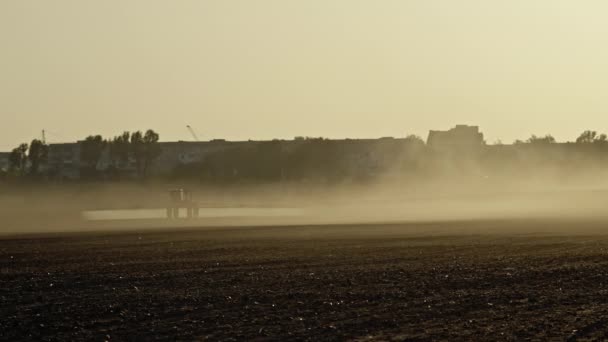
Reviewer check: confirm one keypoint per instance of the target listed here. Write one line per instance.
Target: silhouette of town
(460, 151)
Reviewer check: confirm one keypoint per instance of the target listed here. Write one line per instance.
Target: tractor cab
(181, 198)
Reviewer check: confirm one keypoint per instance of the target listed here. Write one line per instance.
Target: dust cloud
(46, 208)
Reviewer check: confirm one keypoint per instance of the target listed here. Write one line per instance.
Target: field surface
(484, 280)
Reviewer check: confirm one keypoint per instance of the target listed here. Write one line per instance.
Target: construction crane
(193, 133)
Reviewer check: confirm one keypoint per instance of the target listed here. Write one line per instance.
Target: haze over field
(327, 170)
(278, 69)
(122, 207)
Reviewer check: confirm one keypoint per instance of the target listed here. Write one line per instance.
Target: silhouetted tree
(144, 149)
(152, 149)
(37, 155)
(588, 137)
(18, 159)
(414, 139)
(91, 150)
(119, 149)
(137, 150)
(547, 139)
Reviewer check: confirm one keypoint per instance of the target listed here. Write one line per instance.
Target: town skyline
(51, 137)
(277, 69)
(136, 154)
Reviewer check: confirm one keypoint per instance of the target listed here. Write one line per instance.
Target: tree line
(587, 137)
(129, 150)
(132, 155)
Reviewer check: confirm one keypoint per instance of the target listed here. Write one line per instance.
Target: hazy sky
(260, 69)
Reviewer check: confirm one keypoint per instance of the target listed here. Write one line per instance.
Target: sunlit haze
(295, 215)
(277, 68)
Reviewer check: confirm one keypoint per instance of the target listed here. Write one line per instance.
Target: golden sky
(262, 69)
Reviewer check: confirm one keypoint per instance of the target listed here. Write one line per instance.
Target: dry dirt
(485, 280)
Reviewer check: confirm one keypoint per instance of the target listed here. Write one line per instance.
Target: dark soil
(397, 282)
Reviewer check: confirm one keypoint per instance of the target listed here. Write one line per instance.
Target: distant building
(461, 136)
(363, 154)
(64, 161)
(186, 152)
